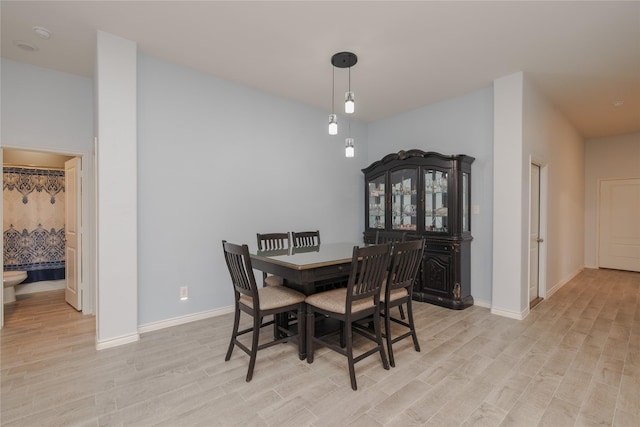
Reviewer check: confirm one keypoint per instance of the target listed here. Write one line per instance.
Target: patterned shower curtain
(33, 226)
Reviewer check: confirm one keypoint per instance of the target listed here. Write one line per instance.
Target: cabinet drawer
(332, 271)
(437, 247)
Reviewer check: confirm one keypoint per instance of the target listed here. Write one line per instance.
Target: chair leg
(387, 334)
(349, 341)
(412, 326)
(276, 323)
(310, 333)
(301, 330)
(401, 312)
(257, 320)
(383, 355)
(234, 334)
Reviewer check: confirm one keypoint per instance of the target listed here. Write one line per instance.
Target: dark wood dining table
(307, 269)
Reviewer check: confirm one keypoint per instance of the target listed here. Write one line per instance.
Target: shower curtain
(33, 225)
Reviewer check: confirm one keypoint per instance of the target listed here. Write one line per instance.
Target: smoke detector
(29, 47)
(42, 32)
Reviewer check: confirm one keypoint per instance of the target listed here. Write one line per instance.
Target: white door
(73, 252)
(619, 224)
(534, 236)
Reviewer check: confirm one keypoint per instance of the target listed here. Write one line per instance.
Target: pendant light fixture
(341, 60)
(349, 98)
(349, 150)
(333, 118)
(346, 60)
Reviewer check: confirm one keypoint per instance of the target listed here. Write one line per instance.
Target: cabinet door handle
(539, 240)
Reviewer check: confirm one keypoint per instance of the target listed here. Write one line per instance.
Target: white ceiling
(583, 55)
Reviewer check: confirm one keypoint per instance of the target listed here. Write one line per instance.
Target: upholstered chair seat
(335, 301)
(273, 297)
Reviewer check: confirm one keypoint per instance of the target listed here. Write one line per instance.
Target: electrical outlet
(184, 293)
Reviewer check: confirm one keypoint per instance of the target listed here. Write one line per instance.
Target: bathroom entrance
(42, 213)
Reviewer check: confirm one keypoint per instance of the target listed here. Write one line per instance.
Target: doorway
(618, 225)
(25, 160)
(537, 225)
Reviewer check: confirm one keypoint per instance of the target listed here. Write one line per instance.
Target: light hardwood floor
(574, 361)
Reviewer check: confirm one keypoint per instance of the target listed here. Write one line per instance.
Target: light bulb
(349, 102)
(333, 124)
(349, 151)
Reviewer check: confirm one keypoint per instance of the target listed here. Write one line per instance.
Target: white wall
(605, 158)
(117, 257)
(51, 111)
(528, 128)
(462, 125)
(45, 110)
(549, 138)
(221, 161)
(508, 216)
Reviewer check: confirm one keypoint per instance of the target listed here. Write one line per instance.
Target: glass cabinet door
(376, 202)
(436, 213)
(404, 199)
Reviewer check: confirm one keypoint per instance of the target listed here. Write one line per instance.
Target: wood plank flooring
(574, 361)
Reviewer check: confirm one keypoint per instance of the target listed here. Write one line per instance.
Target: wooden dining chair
(259, 303)
(398, 290)
(305, 238)
(359, 300)
(391, 237)
(273, 242)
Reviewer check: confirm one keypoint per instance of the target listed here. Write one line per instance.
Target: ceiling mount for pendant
(344, 59)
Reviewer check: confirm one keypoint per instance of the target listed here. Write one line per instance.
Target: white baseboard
(115, 342)
(560, 284)
(181, 320)
(518, 315)
(480, 303)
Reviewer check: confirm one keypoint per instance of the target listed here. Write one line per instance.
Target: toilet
(9, 280)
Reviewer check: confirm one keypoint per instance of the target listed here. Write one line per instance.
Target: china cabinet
(419, 194)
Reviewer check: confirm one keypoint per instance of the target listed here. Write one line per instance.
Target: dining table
(307, 269)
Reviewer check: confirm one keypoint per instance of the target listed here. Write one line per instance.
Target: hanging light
(333, 124)
(349, 102)
(349, 150)
(349, 98)
(333, 118)
(341, 60)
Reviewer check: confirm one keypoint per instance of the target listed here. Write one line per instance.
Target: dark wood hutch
(426, 195)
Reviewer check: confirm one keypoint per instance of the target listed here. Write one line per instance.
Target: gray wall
(51, 111)
(463, 125)
(221, 161)
(45, 109)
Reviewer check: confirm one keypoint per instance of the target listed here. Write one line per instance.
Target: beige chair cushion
(395, 294)
(273, 281)
(335, 301)
(273, 297)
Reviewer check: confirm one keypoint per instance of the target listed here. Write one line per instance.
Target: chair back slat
(368, 269)
(239, 264)
(305, 238)
(273, 241)
(405, 262)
